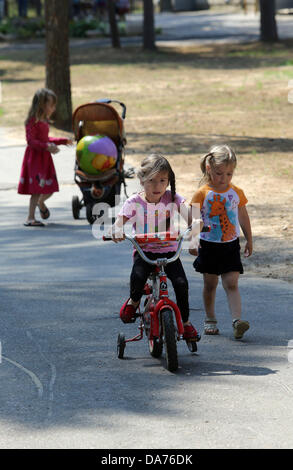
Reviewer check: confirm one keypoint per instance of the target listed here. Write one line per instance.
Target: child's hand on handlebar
(118, 237)
(115, 236)
(117, 233)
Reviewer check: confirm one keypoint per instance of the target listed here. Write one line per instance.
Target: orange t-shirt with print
(219, 210)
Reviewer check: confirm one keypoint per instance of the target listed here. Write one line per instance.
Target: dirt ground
(271, 221)
(179, 103)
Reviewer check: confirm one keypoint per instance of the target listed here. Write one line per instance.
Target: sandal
(45, 214)
(240, 326)
(210, 327)
(34, 223)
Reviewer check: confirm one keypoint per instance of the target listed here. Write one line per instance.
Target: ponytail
(172, 184)
(203, 166)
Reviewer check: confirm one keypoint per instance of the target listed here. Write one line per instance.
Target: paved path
(193, 27)
(62, 385)
(188, 28)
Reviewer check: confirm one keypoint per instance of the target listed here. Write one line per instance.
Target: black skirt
(218, 258)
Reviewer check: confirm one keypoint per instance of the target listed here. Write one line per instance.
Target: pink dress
(38, 175)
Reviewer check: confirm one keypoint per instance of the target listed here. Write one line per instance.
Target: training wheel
(121, 345)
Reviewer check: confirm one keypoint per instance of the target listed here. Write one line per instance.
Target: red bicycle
(160, 319)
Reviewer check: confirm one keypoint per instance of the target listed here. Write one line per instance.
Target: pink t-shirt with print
(148, 217)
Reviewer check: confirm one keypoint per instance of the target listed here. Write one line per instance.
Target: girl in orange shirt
(223, 208)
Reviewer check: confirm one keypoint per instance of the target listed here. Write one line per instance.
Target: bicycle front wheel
(170, 341)
(155, 347)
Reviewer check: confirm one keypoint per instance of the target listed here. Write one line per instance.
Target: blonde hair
(153, 164)
(218, 155)
(39, 101)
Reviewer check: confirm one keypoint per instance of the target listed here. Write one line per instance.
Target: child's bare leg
(209, 294)
(230, 284)
(42, 199)
(32, 206)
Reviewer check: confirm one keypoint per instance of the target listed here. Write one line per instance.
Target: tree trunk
(6, 8)
(22, 8)
(268, 25)
(113, 23)
(148, 25)
(57, 59)
(38, 7)
(165, 5)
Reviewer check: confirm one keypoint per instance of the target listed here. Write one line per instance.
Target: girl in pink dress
(38, 175)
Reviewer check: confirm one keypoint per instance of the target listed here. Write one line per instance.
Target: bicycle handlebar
(161, 260)
(163, 236)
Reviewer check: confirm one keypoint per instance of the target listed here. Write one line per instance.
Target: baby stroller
(91, 119)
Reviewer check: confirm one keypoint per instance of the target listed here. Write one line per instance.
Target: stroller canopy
(98, 118)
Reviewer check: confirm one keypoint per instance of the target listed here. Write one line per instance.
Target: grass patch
(201, 91)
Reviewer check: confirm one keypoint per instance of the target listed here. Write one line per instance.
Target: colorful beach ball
(96, 154)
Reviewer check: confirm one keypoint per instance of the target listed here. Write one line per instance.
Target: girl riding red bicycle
(151, 211)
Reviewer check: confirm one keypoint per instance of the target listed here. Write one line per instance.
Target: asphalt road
(216, 26)
(199, 27)
(62, 385)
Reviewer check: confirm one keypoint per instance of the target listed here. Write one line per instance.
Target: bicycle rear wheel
(170, 341)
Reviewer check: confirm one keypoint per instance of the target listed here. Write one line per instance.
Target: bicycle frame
(158, 297)
(157, 301)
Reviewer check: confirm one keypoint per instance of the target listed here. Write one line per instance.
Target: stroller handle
(108, 101)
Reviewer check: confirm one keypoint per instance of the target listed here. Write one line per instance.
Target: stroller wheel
(89, 214)
(75, 207)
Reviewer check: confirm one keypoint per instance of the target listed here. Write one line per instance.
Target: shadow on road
(66, 332)
(191, 144)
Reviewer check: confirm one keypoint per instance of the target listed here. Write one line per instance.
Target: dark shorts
(218, 258)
